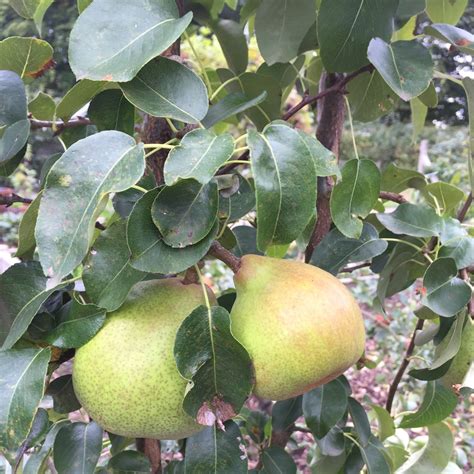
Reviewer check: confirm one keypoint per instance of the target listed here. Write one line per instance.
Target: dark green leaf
(334, 443)
(22, 379)
(23, 289)
(438, 403)
(111, 111)
(286, 412)
(336, 250)
(28, 57)
(409, 8)
(232, 104)
(32, 10)
(77, 324)
(468, 85)
(428, 374)
(215, 450)
(42, 107)
(238, 204)
(461, 249)
(185, 212)
(325, 163)
(26, 232)
(129, 462)
(373, 457)
(355, 196)
(122, 48)
(246, 237)
(446, 294)
(285, 183)
(108, 275)
(12, 142)
(445, 11)
(360, 421)
(219, 367)
(78, 96)
(198, 156)
(281, 26)
(450, 344)
(77, 448)
(396, 180)
(275, 460)
(430, 96)
(100, 164)
(414, 220)
(149, 252)
(233, 43)
(64, 398)
(166, 88)
(324, 406)
(460, 39)
(370, 97)
(345, 29)
(124, 201)
(406, 66)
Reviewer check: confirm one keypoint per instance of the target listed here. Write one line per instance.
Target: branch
(392, 197)
(339, 87)
(60, 125)
(465, 208)
(406, 360)
(224, 255)
(13, 198)
(355, 267)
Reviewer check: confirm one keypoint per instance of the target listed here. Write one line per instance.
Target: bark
(151, 448)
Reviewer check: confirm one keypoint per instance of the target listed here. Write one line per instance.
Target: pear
(300, 325)
(461, 364)
(126, 376)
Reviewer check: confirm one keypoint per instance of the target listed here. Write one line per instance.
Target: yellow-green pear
(126, 376)
(300, 325)
(461, 364)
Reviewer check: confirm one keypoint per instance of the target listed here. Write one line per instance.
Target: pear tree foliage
(175, 164)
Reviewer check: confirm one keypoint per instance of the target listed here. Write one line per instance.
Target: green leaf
(445, 11)
(218, 367)
(89, 170)
(26, 231)
(37, 460)
(370, 97)
(232, 104)
(324, 406)
(77, 448)
(286, 412)
(450, 345)
(355, 196)
(108, 275)
(374, 458)
(166, 88)
(360, 421)
(438, 403)
(216, 450)
(185, 212)
(64, 398)
(409, 8)
(111, 111)
(443, 196)
(78, 323)
(275, 460)
(325, 163)
(82, 5)
(32, 10)
(129, 462)
(459, 38)
(285, 183)
(198, 156)
(334, 443)
(414, 220)
(13, 145)
(42, 107)
(22, 379)
(281, 26)
(419, 112)
(428, 374)
(336, 250)
(345, 29)
(149, 252)
(435, 456)
(406, 66)
(386, 426)
(246, 237)
(396, 180)
(461, 249)
(78, 96)
(123, 47)
(430, 96)
(468, 85)
(446, 294)
(233, 43)
(23, 289)
(239, 203)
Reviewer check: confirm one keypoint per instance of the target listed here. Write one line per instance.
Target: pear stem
(224, 255)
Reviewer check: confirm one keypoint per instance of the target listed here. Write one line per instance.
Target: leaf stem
(171, 125)
(203, 286)
(219, 89)
(139, 188)
(351, 124)
(241, 149)
(242, 137)
(201, 64)
(399, 241)
(236, 162)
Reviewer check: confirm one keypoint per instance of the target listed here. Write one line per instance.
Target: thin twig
(355, 267)
(9, 200)
(59, 126)
(392, 197)
(406, 360)
(465, 208)
(224, 255)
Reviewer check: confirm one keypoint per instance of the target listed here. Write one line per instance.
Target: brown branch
(151, 448)
(406, 360)
(224, 255)
(355, 267)
(9, 200)
(465, 208)
(59, 126)
(392, 197)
